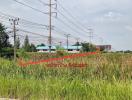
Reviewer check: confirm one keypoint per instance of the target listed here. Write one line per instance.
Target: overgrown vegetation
(88, 47)
(106, 77)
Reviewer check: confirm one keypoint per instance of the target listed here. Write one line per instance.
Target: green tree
(4, 38)
(33, 48)
(26, 45)
(42, 44)
(87, 47)
(5, 47)
(77, 44)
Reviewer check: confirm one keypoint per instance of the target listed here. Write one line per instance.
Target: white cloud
(112, 15)
(109, 16)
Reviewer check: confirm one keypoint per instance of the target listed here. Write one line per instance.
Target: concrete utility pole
(50, 29)
(67, 36)
(50, 12)
(90, 37)
(14, 23)
(60, 43)
(77, 39)
(50, 22)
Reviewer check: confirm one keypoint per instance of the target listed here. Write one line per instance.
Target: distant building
(71, 49)
(104, 47)
(46, 49)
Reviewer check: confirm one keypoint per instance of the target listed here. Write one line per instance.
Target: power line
(61, 32)
(36, 33)
(30, 32)
(24, 20)
(50, 18)
(41, 12)
(65, 18)
(44, 4)
(78, 26)
(30, 7)
(77, 32)
(48, 13)
(75, 25)
(73, 17)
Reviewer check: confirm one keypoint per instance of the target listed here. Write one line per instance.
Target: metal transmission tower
(14, 23)
(67, 37)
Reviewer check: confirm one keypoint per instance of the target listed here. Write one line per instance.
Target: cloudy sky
(110, 20)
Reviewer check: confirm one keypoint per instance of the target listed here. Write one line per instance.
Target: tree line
(6, 48)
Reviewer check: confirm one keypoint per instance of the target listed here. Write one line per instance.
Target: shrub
(7, 52)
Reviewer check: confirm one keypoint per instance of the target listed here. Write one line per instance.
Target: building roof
(45, 47)
(54, 47)
(72, 47)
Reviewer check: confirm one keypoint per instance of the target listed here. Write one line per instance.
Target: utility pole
(90, 37)
(50, 29)
(14, 23)
(50, 22)
(77, 39)
(50, 12)
(60, 43)
(67, 37)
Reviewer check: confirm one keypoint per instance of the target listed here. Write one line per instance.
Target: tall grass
(63, 88)
(106, 77)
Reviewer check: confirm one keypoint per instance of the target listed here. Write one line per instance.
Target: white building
(71, 49)
(46, 49)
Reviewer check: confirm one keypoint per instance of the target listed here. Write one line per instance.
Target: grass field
(106, 77)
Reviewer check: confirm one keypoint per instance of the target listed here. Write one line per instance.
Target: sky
(110, 20)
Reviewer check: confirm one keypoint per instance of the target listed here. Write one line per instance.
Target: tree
(18, 43)
(26, 45)
(4, 38)
(33, 48)
(77, 44)
(87, 47)
(5, 47)
(42, 44)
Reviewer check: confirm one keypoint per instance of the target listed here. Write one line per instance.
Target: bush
(7, 52)
(87, 47)
(23, 54)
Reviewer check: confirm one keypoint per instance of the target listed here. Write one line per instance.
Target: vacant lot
(106, 77)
